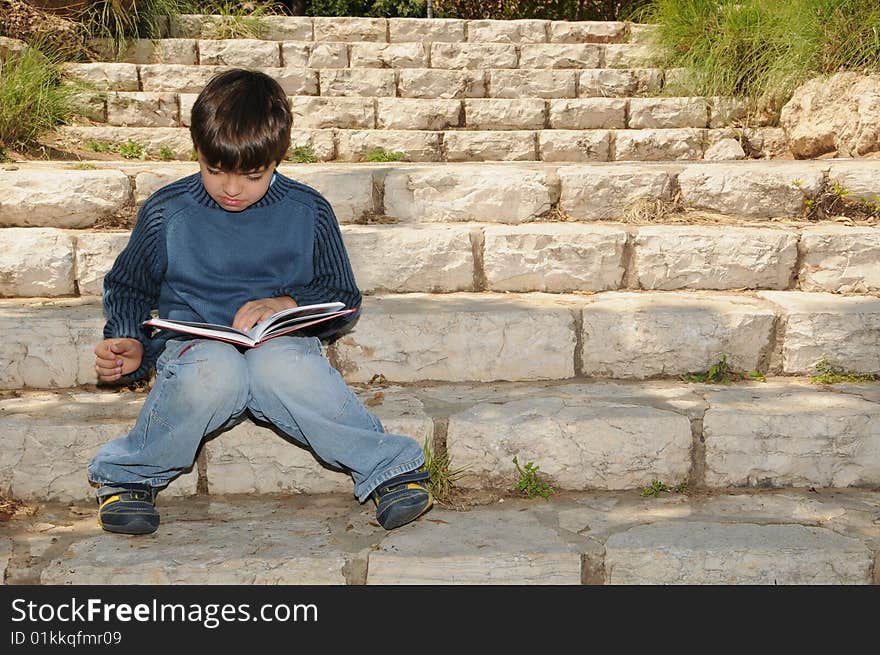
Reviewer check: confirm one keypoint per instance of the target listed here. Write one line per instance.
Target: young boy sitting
(232, 245)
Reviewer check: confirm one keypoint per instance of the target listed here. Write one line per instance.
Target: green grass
(443, 478)
(32, 100)
(166, 153)
(303, 155)
(123, 22)
(380, 154)
(722, 373)
(530, 483)
(764, 50)
(658, 487)
(128, 150)
(237, 20)
(829, 373)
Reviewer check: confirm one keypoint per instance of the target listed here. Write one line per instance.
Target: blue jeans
(203, 386)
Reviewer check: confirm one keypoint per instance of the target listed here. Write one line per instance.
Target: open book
(283, 322)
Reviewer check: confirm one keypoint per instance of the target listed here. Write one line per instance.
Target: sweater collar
(274, 193)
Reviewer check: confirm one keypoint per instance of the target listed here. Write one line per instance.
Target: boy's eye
(255, 178)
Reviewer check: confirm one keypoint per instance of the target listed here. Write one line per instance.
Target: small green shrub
(237, 20)
(829, 373)
(719, 373)
(655, 489)
(530, 482)
(32, 99)
(166, 153)
(443, 477)
(303, 155)
(122, 21)
(380, 154)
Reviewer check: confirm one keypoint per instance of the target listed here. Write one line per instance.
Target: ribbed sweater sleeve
(333, 278)
(131, 288)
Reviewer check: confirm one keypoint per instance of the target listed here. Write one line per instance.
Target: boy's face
(235, 191)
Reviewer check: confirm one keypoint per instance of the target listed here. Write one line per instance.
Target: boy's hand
(117, 357)
(254, 311)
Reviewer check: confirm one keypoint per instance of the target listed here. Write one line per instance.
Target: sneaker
(402, 499)
(129, 510)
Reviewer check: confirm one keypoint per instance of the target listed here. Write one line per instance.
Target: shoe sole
(133, 527)
(407, 519)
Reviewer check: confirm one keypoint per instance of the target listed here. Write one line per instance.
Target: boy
(233, 244)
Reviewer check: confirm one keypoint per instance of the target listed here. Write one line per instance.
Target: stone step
(481, 81)
(420, 337)
(404, 30)
(455, 145)
(552, 257)
(168, 109)
(792, 537)
(260, 53)
(77, 195)
(582, 435)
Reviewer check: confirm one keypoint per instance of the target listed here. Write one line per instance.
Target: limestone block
(36, 261)
(581, 443)
(349, 29)
(416, 145)
(845, 330)
(520, 338)
(532, 83)
(150, 51)
(642, 32)
(669, 257)
(255, 459)
(148, 182)
(840, 259)
(95, 254)
(725, 111)
(484, 546)
(138, 109)
(704, 553)
(659, 144)
(91, 105)
(295, 54)
(60, 197)
(400, 259)
(48, 345)
(48, 441)
(489, 146)
(295, 81)
(349, 190)
(574, 145)
(607, 82)
(468, 193)
(504, 114)
(246, 550)
(587, 113)
(630, 55)
(724, 150)
(426, 30)
(859, 178)
(553, 257)
(586, 31)
(605, 192)
(389, 55)
(668, 112)
(754, 191)
(430, 83)
(507, 31)
(155, 140)
(327, 55)
(560, 55)
(418, 114)
(754, 439)
(365, 82)
(633, 335)
(188, 25)
(473, 55)
(186, 102)
(250, 53)
(288, 28)
(176, 78)
(321, 142)
(103, 76)
(333, 111)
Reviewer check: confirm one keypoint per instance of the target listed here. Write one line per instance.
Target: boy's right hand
(117, 357)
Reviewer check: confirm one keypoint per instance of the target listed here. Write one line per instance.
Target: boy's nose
(231, 189)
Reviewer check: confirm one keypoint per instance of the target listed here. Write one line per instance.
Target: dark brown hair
(241, 121)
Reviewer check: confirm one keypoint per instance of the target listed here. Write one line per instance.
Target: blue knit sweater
(194, 261)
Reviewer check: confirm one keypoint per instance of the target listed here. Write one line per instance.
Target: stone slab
(840, 259)
(605, 192)
(36, 262)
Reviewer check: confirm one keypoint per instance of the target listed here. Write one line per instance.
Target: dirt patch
(11, 508)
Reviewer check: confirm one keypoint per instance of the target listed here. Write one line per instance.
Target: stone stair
(539, 272)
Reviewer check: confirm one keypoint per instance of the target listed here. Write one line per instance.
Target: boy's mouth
(231, 202)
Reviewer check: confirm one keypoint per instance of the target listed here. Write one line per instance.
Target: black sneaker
(402, 499)
(130, 509)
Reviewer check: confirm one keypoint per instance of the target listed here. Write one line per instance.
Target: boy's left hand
(254, 311)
